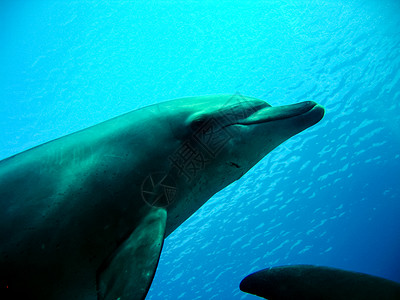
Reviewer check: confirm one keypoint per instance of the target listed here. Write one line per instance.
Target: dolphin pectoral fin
(130, 271)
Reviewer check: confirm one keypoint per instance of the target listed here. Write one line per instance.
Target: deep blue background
(329, 196)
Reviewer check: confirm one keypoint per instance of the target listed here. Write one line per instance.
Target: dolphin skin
(318, 283)
(85, 216)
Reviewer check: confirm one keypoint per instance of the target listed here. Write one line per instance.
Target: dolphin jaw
(269, 114)
(276, 113)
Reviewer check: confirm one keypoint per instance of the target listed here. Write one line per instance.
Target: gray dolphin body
(85, 216)
(307, 282)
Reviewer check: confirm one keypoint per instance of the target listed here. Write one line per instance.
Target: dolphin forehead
(210, 105)
(226, 109)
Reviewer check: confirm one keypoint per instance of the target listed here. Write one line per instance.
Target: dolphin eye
(197, 123)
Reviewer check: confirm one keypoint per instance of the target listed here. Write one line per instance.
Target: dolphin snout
(275, 113)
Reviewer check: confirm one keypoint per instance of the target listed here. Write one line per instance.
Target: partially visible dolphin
(308, 282)
(85, 216)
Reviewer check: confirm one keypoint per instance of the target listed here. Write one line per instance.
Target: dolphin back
(316, 283)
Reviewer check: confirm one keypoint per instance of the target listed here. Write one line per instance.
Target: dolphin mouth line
(269, 114)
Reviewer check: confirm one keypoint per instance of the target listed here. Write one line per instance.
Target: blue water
(329, 196)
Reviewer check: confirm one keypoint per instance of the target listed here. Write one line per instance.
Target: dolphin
(85, 216)
(308, 282)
